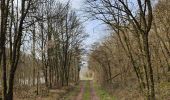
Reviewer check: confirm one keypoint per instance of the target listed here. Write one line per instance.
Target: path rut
(80, 95)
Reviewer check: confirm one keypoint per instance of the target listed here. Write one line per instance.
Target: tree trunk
(148, 59)
(4, 76)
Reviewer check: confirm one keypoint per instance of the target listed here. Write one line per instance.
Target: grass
(163, 89)
(103, 94)
(72, 93)
(86, 95)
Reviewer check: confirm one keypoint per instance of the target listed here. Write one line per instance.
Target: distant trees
(52, 33)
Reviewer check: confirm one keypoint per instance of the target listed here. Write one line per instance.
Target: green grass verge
(72, 93)
(103, 94)
(86, 95)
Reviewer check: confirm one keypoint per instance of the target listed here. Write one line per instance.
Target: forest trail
(80, 95)
(93, 92)
(87, 91)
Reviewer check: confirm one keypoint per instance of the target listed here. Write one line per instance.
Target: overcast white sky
(76, 3)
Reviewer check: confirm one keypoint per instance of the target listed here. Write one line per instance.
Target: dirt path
(88, 90)
(93, 95)
(93, 92)
(82, 88)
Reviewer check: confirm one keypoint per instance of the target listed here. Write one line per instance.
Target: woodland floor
(85, 90)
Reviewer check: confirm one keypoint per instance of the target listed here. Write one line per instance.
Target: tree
(118, 16)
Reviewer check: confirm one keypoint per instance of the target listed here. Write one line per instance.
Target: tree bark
(149, 65)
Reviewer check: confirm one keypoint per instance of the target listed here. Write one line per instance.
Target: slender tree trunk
(38, 82)
(4, 76)
(148, 58)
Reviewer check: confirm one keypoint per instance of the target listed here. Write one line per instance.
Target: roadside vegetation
(133, 62)
(40, 47)
(103, 93)
(72, 93)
